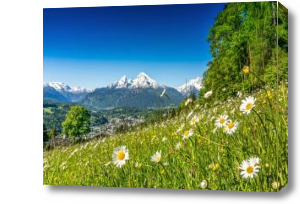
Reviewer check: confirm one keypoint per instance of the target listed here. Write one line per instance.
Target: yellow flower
(216, 167)
(269, 94)
(274, 185)
(246, 69)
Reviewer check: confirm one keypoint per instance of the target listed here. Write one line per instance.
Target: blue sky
(93, 47)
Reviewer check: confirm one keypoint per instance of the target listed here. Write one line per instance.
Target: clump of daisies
(249, 168)
(247, 104)
(208, 94)
(120, 155)
(231, 127)
(156, 157)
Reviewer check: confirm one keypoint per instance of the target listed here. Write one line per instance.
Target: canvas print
(186, 96)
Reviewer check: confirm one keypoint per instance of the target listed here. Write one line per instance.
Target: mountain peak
(142, 74)
(142, 80)
(194, 85)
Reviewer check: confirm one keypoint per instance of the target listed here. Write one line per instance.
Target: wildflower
(231, 127)
(179, 129)
(269, 94)
(187, 134)
(249, 169)
(178, 146)
(275, 185)
(216, 167)
(156, 157)
(247, 104)
(190, 114)
(208, 94)
(138, 165)
(246, 69)
(120, 155)
(221, 121)
(194, 120)
(164, 139)
(203, 184)
(239, 94)
(189, 100)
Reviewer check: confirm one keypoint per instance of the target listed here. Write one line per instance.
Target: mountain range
(140, 92)
(60, 92)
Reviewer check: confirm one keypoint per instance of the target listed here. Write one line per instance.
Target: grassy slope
(89, 164)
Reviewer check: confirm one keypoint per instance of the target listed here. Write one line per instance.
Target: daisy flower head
(249, 169)
(203, 184)
(187, 133)
(221, 121)
(231, 127)
(247, 104)
(156, 157)
(194, 120)
(120, 155)
(239, 94)
(178, 146)
(208, 94)
(189, 100)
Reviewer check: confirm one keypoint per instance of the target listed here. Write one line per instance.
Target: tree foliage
(77, 122)
(245, 34)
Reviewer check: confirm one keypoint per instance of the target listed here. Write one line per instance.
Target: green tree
(77, 122)
(245, 35)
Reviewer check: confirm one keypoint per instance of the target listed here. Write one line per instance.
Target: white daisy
(188, 133)
(221, 121)
(194, 120)
(249, 169)
(208, 94)
(178, 146)
(120, 155)
(239, 94)
(231, 127)
(203, 184)
(247, 104)
(156, 157)
(189, 100)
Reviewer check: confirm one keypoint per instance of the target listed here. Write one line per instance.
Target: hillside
(209, 153)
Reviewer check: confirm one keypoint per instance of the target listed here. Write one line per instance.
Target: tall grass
(209, 154)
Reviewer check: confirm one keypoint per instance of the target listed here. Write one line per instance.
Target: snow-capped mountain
(141, 81)
(62, 87)
(194, 85)
(140, 92)
(58, 91)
